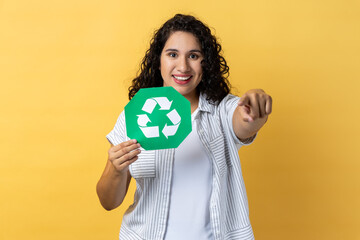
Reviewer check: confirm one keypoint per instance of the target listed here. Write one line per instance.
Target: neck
(194, 101)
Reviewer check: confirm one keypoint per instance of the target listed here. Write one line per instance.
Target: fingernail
(134, 140)
(138, 144)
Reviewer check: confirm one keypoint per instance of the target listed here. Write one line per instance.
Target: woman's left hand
(255, 105)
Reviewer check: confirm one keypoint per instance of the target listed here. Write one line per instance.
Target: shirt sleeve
(118, 134)
(230, 106)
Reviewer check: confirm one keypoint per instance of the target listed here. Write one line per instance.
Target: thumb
(245, 113)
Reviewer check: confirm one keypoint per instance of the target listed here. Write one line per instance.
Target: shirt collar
(204, 105)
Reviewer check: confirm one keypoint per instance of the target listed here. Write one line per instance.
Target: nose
(183, 65)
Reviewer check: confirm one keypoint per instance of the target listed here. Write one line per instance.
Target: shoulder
(223, 111)
(121, 117)
(227, 105)
(229, 100)
(118, 133)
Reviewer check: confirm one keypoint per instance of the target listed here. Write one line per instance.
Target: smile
(182, 78)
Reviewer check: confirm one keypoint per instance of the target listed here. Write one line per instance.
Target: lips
(182, 79)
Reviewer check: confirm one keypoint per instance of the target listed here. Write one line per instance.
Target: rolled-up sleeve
(230, 103)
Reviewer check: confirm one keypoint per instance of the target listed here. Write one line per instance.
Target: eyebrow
(175, 50)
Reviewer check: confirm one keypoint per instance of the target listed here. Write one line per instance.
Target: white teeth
(182, 78)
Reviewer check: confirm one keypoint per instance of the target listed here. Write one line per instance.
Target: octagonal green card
(158, 118)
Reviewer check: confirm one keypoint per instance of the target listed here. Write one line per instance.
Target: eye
(172, 54)
(193, 56)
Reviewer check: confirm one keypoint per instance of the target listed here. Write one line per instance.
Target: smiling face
(180, 64)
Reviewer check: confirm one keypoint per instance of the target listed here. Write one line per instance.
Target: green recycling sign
(158, 118)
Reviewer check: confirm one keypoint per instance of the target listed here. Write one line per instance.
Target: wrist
(118, 174)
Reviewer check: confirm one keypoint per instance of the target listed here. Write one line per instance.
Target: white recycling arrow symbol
(143, 120)
(175, 119)
(149, 132)
(153, 131)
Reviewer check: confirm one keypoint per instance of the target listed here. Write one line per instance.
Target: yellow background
(65, 67)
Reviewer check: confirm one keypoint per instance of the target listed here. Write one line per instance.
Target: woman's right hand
(123, 154)
(114, 182)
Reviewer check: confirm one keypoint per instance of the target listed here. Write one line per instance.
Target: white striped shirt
(147, 217)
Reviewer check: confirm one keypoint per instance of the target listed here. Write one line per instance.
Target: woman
(195, 191)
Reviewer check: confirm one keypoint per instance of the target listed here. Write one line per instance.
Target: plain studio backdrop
(65, 67)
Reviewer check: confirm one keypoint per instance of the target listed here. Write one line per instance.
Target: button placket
(213, 207)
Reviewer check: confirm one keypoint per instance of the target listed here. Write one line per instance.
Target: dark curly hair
(214, 82)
